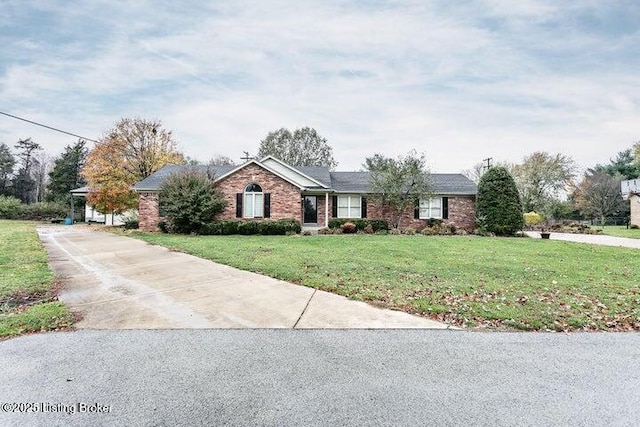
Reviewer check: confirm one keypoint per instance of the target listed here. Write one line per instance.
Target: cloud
(461, 82)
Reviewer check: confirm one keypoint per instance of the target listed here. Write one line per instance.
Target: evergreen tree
(7, 162)
(66, 173)
(23, 183)
(499, 207)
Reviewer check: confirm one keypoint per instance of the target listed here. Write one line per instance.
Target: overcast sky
(457, 80)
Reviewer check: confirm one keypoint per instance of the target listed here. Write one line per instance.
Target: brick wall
(285, 197)
(148, 211)
(635, 209)
(462, 213)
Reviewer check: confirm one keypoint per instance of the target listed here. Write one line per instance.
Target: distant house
(631, 190)
(270, 188)
(92, 215)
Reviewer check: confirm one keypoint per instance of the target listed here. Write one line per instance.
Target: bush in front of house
(348, 228)
(499, 208)
(131, 222)
(279, 227)
(361, 224)
(190, 200)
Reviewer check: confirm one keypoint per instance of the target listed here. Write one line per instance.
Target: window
(431, 208)
(349, 207)
(253, 201)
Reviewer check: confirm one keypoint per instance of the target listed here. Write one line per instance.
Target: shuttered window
(349, 207)
(431, 208)
(253, 201)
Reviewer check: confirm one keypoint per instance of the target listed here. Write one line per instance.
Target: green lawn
(620, 231)
(512, 283)
(27, 303)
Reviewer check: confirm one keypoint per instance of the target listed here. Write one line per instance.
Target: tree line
(134, 148)
(549, 184)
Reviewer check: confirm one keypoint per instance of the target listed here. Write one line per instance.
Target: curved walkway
(594, 239)
(116, 282)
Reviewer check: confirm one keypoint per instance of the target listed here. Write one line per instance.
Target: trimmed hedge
(280, 227)
(361, 224)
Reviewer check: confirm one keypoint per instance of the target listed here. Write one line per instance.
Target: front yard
(27, 300)
(503, 283)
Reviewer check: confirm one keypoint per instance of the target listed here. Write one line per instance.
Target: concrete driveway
(594, 239)
(117, 282)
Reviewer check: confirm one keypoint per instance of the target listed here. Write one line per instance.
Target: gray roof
(155, 180)
(443, 183)
(319, 173)
(342, 182)
(356, 182)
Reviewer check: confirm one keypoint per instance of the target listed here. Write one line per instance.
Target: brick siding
(148, 211)
(285, 197)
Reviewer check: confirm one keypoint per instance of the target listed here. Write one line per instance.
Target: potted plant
(545, 234)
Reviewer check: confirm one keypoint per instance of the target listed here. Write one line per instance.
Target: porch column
(326, 210)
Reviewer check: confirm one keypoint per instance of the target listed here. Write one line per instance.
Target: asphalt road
(321, 377)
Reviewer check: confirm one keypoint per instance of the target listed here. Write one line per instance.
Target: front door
(310, 209)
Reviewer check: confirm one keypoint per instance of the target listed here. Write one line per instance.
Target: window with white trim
(253, 201)
(431, 208)
(349, 207)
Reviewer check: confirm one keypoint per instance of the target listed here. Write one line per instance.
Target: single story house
(630, 190)
(91, 214)
(270, 188)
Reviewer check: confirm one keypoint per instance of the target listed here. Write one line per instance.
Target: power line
(48, 127)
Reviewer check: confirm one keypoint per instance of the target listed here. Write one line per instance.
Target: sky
(460, 81)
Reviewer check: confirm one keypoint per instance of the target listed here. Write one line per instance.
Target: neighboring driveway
(594, 239)
(116, 282)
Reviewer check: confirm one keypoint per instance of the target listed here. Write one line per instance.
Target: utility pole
(488, 165)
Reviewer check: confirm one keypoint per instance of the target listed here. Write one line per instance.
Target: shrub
(163, 226)
(190, 200)
(634, 226)
(378, 224)
(10, 208)
(229, 227)
(361, 224)
(499, 206)
(336, 222)
(132, 222)
(45, 210)
(349, 228)
(248, 228)
(409, 231)
(433, 222)
(532, 218)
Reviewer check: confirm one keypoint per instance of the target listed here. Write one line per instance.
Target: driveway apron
(116, 282)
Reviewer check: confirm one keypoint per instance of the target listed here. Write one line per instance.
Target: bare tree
(476, 172)
(302, 147)
(541, 178)
(598, 195)
(40, 173)
(220, 160)
(399, 183)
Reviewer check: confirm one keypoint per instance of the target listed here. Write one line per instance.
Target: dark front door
(310, 209)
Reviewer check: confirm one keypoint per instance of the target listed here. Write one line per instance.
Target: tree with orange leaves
(131, 151)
